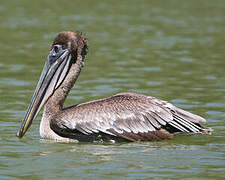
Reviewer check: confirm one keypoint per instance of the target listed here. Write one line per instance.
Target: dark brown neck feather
(56, 101)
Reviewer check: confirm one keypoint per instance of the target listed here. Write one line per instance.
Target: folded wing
(126, 116)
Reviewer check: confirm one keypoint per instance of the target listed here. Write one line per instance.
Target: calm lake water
(173, 50)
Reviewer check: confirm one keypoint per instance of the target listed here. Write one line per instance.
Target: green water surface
(173, 50)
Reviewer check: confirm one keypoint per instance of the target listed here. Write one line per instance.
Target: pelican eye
(57, 48)
(55, 53)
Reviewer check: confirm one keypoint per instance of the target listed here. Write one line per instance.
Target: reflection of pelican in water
(121, 117)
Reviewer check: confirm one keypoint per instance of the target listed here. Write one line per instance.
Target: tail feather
(207, 131)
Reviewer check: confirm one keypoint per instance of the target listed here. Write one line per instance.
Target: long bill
(55, 70)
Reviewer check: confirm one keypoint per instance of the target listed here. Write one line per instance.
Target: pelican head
(67, 49)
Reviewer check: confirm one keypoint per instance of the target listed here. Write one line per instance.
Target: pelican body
(121, 117)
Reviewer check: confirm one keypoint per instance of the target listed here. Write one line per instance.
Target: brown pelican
(121, 117)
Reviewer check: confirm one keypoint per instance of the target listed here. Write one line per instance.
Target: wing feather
(130, 116)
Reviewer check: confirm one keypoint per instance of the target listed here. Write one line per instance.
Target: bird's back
(130, 116)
